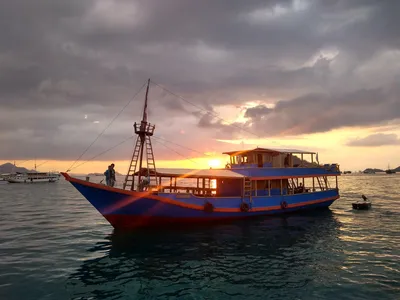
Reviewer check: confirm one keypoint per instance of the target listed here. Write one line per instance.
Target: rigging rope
(127, 139)
(104, 152)
(157, 138)
(23, 162)
(185, 157)
(101, 133)
(203, 109)
(165, 140)
(42, 163)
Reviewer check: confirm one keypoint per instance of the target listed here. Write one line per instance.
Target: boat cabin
(270, 158)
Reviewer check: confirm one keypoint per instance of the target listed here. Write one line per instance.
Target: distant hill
(370, 170)
(297, 161)
(10, 168)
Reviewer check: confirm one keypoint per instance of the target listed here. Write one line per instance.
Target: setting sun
(214, 163)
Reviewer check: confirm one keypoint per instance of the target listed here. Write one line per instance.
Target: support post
(293, 186)
(269, 188)
(175, 185)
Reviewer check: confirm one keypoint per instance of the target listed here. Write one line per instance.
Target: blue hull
(128, 209)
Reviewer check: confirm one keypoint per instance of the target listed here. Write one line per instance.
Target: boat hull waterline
(125, 209)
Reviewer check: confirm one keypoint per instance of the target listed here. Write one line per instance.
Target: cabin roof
(268, 150)
(193, 173)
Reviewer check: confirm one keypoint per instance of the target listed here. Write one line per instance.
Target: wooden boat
(255, 182)
(361, 205)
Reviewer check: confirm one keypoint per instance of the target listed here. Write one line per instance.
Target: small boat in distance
(390, 171)
(362, 205)
(3, 178)
(255, 182)
(34, 177)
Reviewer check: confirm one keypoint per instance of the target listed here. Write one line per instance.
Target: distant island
(10, 168)
(373, 170)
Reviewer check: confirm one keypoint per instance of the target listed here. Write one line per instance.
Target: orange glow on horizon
(331, 146)
(121, 166)
(214, 163)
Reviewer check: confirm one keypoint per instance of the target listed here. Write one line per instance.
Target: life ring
(244, 207)
(208, 207)
(284, 204)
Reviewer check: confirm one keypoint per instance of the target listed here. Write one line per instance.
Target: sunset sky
(307, 74)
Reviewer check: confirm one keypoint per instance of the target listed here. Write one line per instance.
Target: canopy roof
(192, 173)
(268, 150)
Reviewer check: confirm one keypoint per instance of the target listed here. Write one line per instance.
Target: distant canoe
(361, 205)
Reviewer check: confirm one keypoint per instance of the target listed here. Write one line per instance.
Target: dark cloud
(257, 112)
(310, 66)
(375, 140)
(318, 113)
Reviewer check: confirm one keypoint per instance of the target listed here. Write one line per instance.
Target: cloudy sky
(320, 75)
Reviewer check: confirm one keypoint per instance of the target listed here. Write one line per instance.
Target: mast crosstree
(142, 162)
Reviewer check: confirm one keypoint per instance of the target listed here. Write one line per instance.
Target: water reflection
(261, 254)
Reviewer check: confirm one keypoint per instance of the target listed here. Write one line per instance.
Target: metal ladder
(130, 176)
(321, 186)
(247, 188)
(291, 184)
(151, 165)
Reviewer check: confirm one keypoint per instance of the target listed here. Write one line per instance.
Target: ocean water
(54, 245)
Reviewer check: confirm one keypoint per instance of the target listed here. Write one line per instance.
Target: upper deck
(256, 162)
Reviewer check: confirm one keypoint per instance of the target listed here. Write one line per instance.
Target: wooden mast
(142, 132)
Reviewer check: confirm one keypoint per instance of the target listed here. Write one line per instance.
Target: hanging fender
(208, 207)
(244, 207)
(284, 204)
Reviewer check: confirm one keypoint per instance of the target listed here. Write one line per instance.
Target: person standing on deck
(286, 162)
(112, 175)
(107, 174)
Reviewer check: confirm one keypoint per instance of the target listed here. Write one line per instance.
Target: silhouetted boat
(362, 205)
(390, 171)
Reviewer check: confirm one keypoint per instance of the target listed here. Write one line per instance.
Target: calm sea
(54, 245)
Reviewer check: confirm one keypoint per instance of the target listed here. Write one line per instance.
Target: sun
(214, 163)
